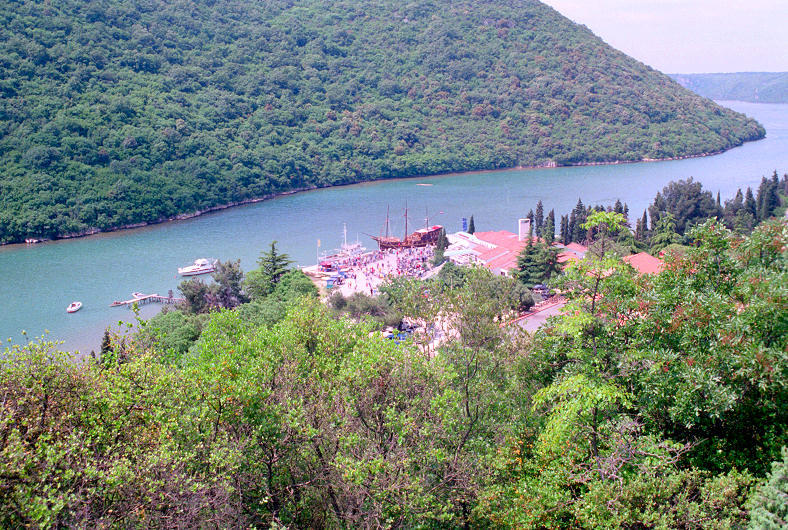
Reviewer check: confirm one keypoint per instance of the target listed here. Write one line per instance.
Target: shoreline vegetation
(213, 209)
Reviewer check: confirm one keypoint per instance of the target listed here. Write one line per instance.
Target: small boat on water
(73, 307)
(200, 266)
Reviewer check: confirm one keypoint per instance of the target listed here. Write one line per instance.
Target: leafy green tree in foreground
(663, 395)
(653, 401)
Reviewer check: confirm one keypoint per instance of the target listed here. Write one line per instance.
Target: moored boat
(200, 266)
(422, 237)
(73, 307)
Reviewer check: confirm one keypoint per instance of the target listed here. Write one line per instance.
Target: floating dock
(142, 298)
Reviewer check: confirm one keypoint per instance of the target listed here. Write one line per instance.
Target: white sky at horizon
(690, 36)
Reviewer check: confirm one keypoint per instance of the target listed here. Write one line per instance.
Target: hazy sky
(690, 36)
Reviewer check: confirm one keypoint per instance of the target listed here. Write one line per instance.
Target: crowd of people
(365, 272)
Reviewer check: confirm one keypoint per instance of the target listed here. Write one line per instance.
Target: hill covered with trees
(116, 112)
(757, 87)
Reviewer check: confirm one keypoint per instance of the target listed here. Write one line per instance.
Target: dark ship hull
(419, 238)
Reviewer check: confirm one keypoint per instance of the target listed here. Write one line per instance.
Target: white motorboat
(200, 266)
(73, 307)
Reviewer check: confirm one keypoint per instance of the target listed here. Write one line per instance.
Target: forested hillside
(757, 87)
(116, 112)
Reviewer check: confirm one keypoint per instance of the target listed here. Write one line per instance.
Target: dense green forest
(653, 401)
(757, 87)
(115, 112)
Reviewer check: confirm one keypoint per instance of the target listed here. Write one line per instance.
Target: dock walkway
(141, 299)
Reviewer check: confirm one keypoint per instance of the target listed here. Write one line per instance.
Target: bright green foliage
(173, 332)
(770, 507)
(650, 402)
(662, 395)
(121, 112)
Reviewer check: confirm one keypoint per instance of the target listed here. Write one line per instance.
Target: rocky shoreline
(184, 216)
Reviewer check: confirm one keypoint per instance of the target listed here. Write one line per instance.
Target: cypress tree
(471, 226)
(580, 214)
(440, 247)
(749, 203)
(106, 342)
(570, 229)
(641, 230)
(548, 232)
(539, 218)
(564, 230)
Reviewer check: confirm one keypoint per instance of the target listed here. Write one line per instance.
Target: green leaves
(234, 103)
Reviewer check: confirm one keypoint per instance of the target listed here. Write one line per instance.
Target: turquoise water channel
(38, 282)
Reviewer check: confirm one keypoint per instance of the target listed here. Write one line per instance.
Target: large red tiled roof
(504, 255)
(645, 263)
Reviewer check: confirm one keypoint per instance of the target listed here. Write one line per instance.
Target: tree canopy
(654, 400)
(116, 112)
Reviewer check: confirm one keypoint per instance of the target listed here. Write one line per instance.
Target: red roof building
(497, 251)
(645, 263)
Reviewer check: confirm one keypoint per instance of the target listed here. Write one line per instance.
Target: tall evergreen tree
(471, 226)
(548, 232)
(571, 225)
(641, 230)
(749, 203)
(767, 199)
(539, 218)
(564, 229)
(440, 247)
(580, 215)
(106, 342)
(536, 263)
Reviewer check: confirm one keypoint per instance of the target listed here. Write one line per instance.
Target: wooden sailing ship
(420, 238)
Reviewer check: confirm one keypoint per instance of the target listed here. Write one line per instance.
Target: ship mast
(387, 220)
(406, 221)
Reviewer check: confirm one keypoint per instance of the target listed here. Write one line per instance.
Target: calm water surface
(38, 282)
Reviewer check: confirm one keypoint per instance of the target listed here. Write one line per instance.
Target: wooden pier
(141, 299)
